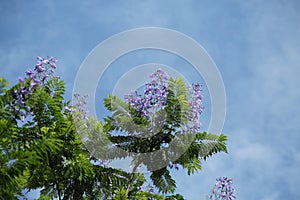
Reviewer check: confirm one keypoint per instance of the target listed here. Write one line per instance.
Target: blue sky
(255, 45)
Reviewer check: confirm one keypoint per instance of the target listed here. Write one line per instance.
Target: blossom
(223, 190)
(53, 65)
(39, 58)
(155, 94)
(195, 102)
(154, 98)
(45, 61)
(21, 79)
(39, 68)
(29, 73)
(70, 110)
(81, 105)
(23, 91)
(160, 75)
(44, 70)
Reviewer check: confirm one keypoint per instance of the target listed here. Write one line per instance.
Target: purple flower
(195, 102)
(23, 92)
(160, 76)
(39, 58)
(32, 86)
(21, 79)
(155, 94)
(223, 189)
(21, 102)
(37, 81)
(81, 105)
(15, 94)
(43, 69)
(197, 87)
(44, 77)
(29, 73)
(45, 61)
(53, 65)
(70, 110)
(39, 68)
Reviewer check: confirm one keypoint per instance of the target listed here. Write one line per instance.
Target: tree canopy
(48, 144)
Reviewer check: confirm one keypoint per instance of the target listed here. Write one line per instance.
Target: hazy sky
(255, 45)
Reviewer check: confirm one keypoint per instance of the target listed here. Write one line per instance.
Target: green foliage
(120, 194)
(46, 150)
(148, 195)
(124, 119)
(163, 181)
(177, 107)
(175, 197)
(3, 85)
(204, 146)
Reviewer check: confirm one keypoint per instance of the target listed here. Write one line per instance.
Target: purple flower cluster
(43, 71)
(69, 109)
(195, 102)
(155, 97)
(79, 113)
(155, 94)
(80, 104)
(223, 189)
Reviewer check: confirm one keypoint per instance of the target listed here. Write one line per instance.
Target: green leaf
(193, 166)
(120, 194)
(3, 84)
(163, 181)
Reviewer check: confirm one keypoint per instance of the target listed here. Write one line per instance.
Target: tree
(168, 110)
(41, 139)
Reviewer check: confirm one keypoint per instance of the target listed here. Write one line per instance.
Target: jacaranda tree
(50, 145)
